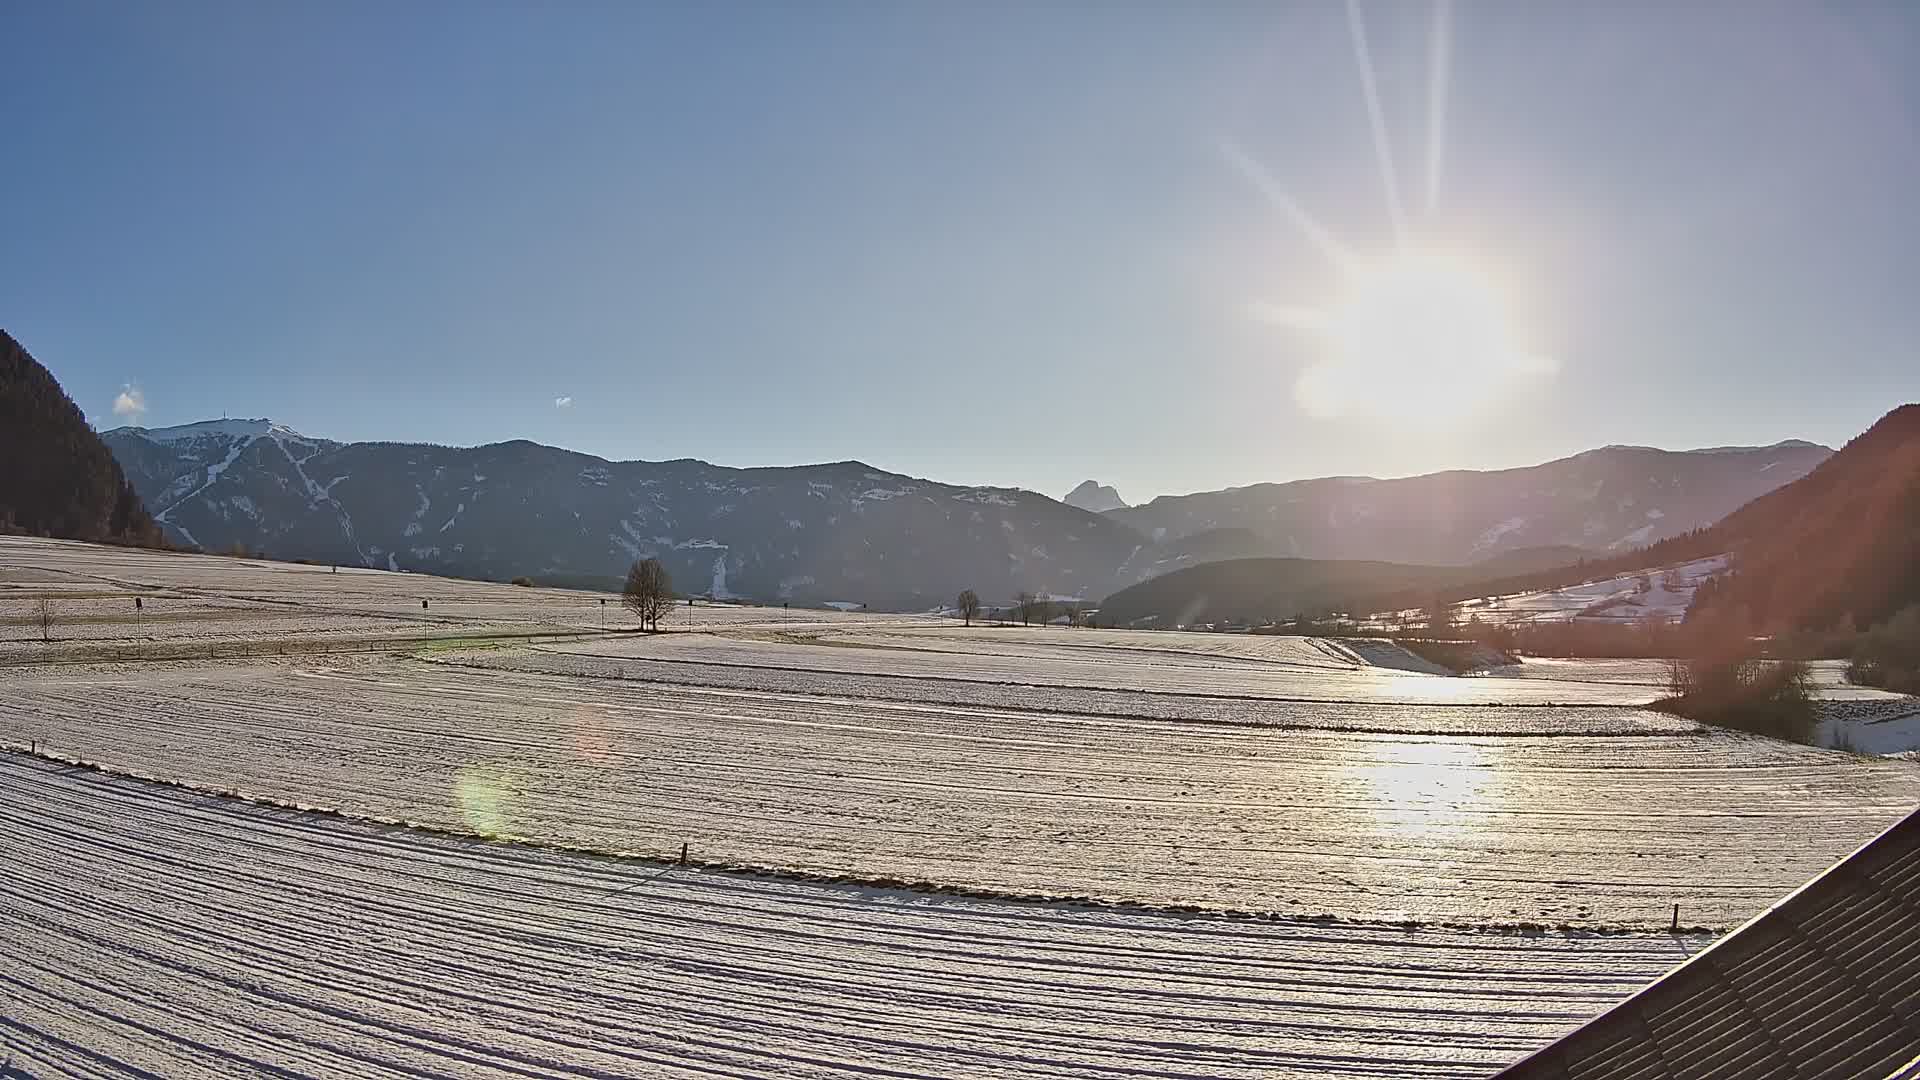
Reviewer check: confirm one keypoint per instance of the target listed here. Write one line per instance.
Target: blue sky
(987, 243)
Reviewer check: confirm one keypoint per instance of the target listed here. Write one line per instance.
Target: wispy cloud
(563, 402)
(131, 405)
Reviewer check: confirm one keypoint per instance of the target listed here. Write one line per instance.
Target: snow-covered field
(157, 932)
(1141, 669)
(197, 600)
(1185, 782)
(1588, 829)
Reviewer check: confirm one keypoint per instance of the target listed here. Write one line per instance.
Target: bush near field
(1888, 656)
(1735, 689)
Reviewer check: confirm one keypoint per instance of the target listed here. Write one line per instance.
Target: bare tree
(43, 614)
(648, 592)
(1072, 612)
(1023, 603)
(969, 605)
(1439, 617)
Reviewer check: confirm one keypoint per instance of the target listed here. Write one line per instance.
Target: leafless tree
(969, 605)
(649, 592)
(1023, 602)
(43, 614)
(1072, 612)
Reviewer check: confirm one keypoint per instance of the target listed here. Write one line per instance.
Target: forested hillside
(1258, 590)
(1840, 545)
(56, 477)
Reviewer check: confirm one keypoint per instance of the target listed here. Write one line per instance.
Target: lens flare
(484, 795)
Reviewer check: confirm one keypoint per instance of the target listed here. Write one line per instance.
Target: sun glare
(1417, 337)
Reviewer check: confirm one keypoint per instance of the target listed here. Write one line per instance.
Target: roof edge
(1911, 819)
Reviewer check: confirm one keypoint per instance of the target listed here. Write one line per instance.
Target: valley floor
(1293, 857)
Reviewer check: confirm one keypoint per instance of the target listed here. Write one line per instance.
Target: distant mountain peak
(1095, 498)
(227, 429)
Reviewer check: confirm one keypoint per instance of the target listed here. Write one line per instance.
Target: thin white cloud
(563, 402)
(131, 405)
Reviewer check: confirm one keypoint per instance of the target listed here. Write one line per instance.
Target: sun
(1418, 337)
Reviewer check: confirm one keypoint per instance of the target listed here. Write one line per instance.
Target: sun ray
(1382, 146)
(1439, 73)
(1313, 230)
(1297, 317)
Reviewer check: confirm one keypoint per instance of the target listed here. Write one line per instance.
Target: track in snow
(154, 931)
(1595, 830)
(1100, 667)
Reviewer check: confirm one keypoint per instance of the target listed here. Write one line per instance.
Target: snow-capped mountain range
(849, 532)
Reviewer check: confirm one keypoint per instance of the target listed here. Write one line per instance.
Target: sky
(992, 243)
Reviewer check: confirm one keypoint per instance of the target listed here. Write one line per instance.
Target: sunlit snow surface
(153, 931)
(160, 931)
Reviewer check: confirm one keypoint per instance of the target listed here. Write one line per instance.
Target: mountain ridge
(1608, 499)
(829, 531)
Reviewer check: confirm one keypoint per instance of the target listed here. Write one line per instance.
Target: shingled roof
(1825, 984)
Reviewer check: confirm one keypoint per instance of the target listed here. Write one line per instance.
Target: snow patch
(1493, 535)
(213, 471)
(226, 429)
(1635, 538)
(988, 496)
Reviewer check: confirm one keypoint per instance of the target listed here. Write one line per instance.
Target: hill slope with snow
(1612, 499)
(808, 534)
